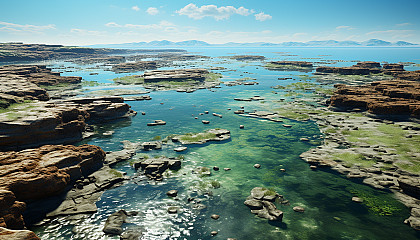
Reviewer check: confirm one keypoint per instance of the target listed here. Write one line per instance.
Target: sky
(87, 22)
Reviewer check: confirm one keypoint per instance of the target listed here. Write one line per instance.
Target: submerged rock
(261, 203)
(154, 167)
(201, 138)
(114, 222)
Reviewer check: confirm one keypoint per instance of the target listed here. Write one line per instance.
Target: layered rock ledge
(396, 97)
(183, 80)
(27, 82)
(39, 173)
(289, 65)
(134, 66)
(56, 122)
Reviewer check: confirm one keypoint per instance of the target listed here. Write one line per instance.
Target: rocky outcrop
(204, 137)
(175, 75)
(7, 234)
(114, 222)
(248, 58)
(42, 172)
(396, 97)
(410, 186)
(57, 122)
(134, 66)
(25, 82)
(261, 203)
(364, 68)
(82, 198)
(154, 167)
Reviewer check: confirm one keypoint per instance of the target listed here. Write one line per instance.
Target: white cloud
(135, 8)
(83, 32)
(262, 16)
(152, 11)
(403, 24)
(162, 25)
(218, 13)
(390, 32)
(344, 27)
(18, 28)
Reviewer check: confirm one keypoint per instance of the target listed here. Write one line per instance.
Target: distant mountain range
(196, 43)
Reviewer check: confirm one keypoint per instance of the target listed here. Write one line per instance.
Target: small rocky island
(301, 66)
(182, 80)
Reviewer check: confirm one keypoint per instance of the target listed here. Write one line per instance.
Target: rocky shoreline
(79, 175)
(361, 140)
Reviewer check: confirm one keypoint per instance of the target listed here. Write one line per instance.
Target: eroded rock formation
(396, 97)
(42, 172)
(25, 82)
(58, 121)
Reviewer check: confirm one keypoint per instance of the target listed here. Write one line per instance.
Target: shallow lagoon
(326, 196)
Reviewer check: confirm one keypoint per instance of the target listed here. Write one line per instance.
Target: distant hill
(196, 43)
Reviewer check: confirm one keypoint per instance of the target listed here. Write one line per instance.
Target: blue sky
(84, 22)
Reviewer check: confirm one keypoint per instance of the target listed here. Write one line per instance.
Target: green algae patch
(129, 80)
(287, 113)
(116, 173)
(394, 139)
(191, 137)
(351, 159)
(376, 204)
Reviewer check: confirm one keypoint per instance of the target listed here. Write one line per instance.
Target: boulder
(114, 222)
(262, 207)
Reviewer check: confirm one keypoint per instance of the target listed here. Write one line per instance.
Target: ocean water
(325, 195)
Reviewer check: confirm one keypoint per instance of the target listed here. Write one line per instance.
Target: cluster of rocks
(25, 82)
(364, 68)
(57, 122)
(261, 202)
(216, 134)
(127, 67)
(153, 168)
(396, 97)
(42, 172)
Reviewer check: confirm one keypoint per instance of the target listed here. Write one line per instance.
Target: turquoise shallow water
(326, 196)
